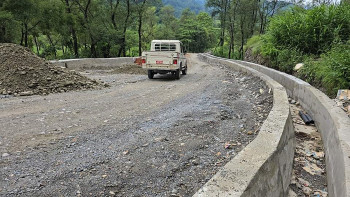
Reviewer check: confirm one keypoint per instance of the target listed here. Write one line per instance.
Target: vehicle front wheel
(150, 74)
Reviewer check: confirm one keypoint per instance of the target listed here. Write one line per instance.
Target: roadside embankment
(264, 167)
(94, 63)
(331, 121)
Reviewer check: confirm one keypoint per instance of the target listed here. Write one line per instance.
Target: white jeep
(165, 56)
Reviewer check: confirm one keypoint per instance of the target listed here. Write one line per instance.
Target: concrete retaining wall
(331, 121)
(264, 167)
(94, 63)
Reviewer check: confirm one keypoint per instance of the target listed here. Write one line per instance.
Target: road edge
(265, 165)
(330, 120)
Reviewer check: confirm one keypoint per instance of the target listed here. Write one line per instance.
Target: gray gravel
(140, 137)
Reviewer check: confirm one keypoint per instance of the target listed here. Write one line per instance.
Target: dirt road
(140, 137)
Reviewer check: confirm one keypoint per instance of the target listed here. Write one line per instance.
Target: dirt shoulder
(139, 137)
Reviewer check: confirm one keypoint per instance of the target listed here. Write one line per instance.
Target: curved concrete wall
(264, 167)
(331, 121)
(94, 63)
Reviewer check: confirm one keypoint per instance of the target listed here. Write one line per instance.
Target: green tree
(26, 12)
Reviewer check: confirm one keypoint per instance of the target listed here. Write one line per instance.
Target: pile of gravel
(23, 73)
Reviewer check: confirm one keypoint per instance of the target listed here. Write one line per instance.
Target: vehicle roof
(161, 41)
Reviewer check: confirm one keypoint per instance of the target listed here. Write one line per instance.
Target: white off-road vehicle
(166, 56)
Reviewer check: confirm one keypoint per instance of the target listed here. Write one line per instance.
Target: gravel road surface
(139, 137)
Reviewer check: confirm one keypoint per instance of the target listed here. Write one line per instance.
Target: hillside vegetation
(319, 37)
(59, 29)
(279, 33)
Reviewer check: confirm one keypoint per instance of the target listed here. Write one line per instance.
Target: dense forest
(282, 32)
(100, 28)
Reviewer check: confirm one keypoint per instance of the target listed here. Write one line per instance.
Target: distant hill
(179, 5)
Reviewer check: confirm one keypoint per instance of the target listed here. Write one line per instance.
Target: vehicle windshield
(165, 47)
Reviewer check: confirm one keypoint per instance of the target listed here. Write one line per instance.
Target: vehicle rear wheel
(177, 74)
(150, 74)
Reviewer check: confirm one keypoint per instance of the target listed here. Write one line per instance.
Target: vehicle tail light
(143, 61)
(175, 61)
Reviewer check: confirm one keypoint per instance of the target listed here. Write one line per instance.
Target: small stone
(125, 152)
(307, 191)
(27, 93)
(5, 155)
(303, 182)
(145, 145)
(250, 132)
(228, 145)
(104, 176)
(261, 91)
(111, 193)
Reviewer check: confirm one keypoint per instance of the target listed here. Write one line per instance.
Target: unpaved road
(139, 137)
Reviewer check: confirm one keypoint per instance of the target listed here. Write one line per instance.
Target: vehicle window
(165, 47)
(157, 47)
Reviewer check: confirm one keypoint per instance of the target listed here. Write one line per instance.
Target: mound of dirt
(23, 73)
(132, 69)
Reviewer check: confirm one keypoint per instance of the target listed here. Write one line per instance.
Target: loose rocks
(23, 73)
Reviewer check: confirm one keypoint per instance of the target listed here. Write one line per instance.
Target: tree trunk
(2, 34)
(52, 45)
(254, 14)
(22, 36)
(72, 30)
(232, 40)
(242, 38)
(113, 10)
(140, 26)
(122, 50)
(37, 46)
(25, 34)
(140, 34)
(93, 48)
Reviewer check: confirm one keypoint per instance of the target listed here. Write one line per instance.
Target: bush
(301, 35)
(310, 31)
(255, 43)
(331, 72)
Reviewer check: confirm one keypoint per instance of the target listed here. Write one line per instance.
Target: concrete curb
(264, 167)
(331, 121)
(93, 63)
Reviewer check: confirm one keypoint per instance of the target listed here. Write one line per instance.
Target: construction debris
(309, 175)
(22, 73)
(343, 100)
(306, 118)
